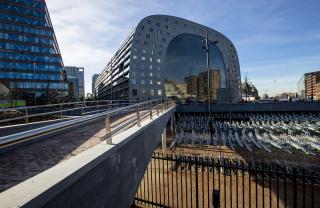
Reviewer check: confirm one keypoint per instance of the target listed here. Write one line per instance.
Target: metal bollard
(150, 108)
(138, 117)
(215, 198)
(82, 108)
(27, 118)
(108, 130)
(61, 111)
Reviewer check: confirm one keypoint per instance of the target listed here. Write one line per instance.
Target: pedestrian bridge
(106, 174)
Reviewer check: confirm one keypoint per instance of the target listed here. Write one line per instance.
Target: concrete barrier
(102, 176)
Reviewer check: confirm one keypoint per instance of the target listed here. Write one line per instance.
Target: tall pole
(208, 66)
(34, 78)
(111, 71)
(190, 80)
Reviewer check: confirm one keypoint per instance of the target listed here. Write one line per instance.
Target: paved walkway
(28, 161)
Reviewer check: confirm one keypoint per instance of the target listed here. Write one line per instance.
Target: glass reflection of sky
(185, 52)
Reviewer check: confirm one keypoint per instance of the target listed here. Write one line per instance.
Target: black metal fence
(193, 181)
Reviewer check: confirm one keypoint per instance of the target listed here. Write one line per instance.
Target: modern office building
(159, 57)
(94, 80)
(75, 75)
(31, 66)
(309, 86)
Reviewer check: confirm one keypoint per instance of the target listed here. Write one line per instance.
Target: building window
(134, 81)
(135, 49)
(150, 74)
(143, 92)
(158, 68)
(159, 60)
(151, 82)
(133, 73)
(142, 27)
(142, 74)
(151, 92)
(150, 59)
(142, 82)
(134, 57)
(143, 58)
(151, 29)
(150, 67)
(144, 51)
(159, 92)
(159, 82)
(158, 75)
(147, 36)
(134, 92)
(158, 24)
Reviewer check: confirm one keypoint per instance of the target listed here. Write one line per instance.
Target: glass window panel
(186, 69)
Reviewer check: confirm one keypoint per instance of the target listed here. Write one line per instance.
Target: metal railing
(195, 181)
(139, 112)
(58, 111)
(136, 113)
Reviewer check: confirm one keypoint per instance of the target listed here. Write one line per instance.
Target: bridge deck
(27, 161)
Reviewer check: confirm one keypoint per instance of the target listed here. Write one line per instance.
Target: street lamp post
(111, 77)
(34, 78)
(206, 48)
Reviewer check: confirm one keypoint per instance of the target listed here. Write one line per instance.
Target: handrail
(138, 107)
(58, 104)
(143, 110)
(65, 107)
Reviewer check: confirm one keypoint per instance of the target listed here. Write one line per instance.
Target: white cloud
(89, 32)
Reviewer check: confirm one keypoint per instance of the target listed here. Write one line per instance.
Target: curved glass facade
(186, 72)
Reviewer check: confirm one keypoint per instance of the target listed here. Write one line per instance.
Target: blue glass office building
(30, 60)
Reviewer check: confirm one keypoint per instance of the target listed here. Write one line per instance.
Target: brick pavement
(28, 161)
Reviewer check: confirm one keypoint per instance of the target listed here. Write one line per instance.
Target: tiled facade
(138, 69)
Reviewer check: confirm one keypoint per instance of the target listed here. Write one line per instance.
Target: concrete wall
(103, 176)
(253, 107)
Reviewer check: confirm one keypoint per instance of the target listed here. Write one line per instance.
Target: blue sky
(276, 40)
